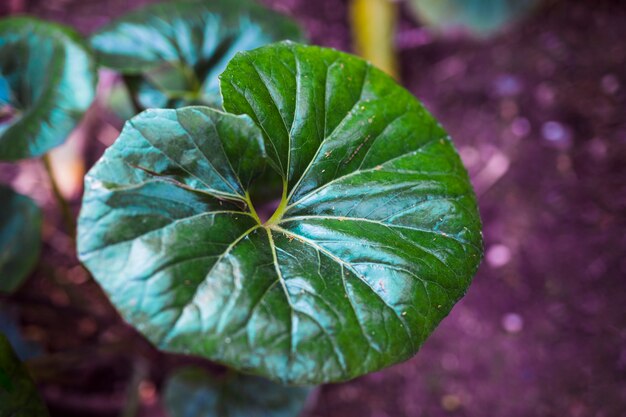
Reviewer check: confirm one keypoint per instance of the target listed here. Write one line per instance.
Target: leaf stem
(66, 211)
(280, 210)
(252, 209)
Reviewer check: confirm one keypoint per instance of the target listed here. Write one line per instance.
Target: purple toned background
(539, 117)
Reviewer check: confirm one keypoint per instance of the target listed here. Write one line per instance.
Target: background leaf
(18, 393)
(376, 237)
(20, 238)
(47, 82)
(191, 392)
(477, 17)
(179, 48)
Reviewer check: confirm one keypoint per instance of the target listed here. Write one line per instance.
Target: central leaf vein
(292, 338)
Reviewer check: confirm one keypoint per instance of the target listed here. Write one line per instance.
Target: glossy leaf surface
(18, 393)
(477, 17)
(176, 50)
(47, 82)
(376, 237)
(20, 238)
(191, 392)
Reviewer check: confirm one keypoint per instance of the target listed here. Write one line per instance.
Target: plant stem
(373, 24)
(251, 207)
(66, 211)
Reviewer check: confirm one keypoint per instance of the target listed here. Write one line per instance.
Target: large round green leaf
(47, 82)
(376, 237)
(175, 50)
(20, 238)
(478, 17)
(18, 394)
(191, 392)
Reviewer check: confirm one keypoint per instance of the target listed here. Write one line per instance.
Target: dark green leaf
(18, 394)
(179, 48)
(20, 238)
(376, 237)
(478, 17)
(191, 392)
(47, 82)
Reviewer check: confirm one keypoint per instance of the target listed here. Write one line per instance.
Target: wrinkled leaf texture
(377, 237)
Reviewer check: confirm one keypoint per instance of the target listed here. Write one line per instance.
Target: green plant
(171, 53)
(47, 82)
(375, 238)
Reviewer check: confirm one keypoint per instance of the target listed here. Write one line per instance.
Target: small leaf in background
(376, 237)
(47, 82)
(476, 17)
(192, 392)
(177, 49)
(20, 238)
(18, 393)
